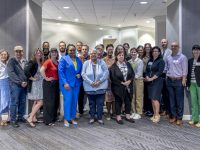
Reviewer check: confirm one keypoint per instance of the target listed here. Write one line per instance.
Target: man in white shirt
(62, 49)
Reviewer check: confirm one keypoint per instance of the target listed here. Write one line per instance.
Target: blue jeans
(176, 97)
(18, 102)
(96, 103)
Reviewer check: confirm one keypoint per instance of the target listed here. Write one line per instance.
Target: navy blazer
(155, 67)
(67, 72)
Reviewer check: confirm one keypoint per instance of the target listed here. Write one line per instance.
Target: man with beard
(45, 47)
(62, 49)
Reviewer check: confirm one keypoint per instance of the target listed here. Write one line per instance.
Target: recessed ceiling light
(100, 28)
(66, 7)
(144, 2)
(59, 17)
(58, 23)
(76, 19)
(148, 21)
(119, 25)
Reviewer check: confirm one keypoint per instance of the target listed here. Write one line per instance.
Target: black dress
(155, 67)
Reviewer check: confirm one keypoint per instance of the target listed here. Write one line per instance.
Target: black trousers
(50, 100)
(147, 102)
(81, 100)
(165, 104)
(119, 102)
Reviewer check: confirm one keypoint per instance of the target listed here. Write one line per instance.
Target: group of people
(129, 82)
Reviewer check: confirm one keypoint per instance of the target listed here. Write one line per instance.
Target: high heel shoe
(156, 119)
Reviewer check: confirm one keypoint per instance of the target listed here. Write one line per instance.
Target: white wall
(71, 33)
(91, 35)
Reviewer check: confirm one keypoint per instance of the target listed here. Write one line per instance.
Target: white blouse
(3, 71)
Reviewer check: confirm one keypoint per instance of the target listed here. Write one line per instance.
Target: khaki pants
(137, 101)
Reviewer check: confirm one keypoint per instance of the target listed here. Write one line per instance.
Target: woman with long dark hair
(153, 73)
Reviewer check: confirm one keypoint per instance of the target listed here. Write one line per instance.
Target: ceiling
(114, 13)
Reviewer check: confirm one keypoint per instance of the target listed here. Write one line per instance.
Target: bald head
(164, 43)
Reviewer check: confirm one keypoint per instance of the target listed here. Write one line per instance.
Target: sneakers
(100, 122)
(91, 121)
(135, 116)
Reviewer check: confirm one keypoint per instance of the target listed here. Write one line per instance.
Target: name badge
(175, 61)
(150, 63)
(197, 64)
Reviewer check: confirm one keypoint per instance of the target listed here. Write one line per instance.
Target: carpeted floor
(142, 135)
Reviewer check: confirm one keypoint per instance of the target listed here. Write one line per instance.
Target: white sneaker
(132, 115)
(137, 116)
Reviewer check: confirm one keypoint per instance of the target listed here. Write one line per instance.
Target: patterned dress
(109, 95)
(36, 90)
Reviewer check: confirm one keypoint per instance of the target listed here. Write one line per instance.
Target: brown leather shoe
(179, 122)
(172, 120)
(164, 113)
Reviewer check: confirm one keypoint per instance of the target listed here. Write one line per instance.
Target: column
(20, 24)
(160, 29)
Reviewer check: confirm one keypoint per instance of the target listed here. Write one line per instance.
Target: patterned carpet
(142, 135)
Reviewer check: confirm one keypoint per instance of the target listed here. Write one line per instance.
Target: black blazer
(196, 71)
(116, 78)
(30, 70)
(155, 67)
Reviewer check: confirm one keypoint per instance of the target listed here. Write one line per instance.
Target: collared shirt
(61, 54)
(124, 69)
(177, 65)
(138, 67)
(165, 53)
(22, 62)
(3, 71)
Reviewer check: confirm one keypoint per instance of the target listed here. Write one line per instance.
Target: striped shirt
(193, 79)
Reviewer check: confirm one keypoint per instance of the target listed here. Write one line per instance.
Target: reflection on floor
(142, 135)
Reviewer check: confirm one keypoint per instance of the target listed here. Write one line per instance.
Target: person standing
(148, 110)
(95, 81)
(176, 72)
(34, 88)
(193, 82)
(18, 86)
(4, 87)
(69, 71)
(153, 73)
(45, 48)
(49, 72)
(121, 76)
(62, 49)
(109, 97)
(82, 98)
(138, 84)
(79, 45)
(164, 103)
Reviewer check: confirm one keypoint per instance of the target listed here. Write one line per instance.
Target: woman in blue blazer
(69, 71)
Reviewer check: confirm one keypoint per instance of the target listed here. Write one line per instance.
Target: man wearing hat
(18, 84)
